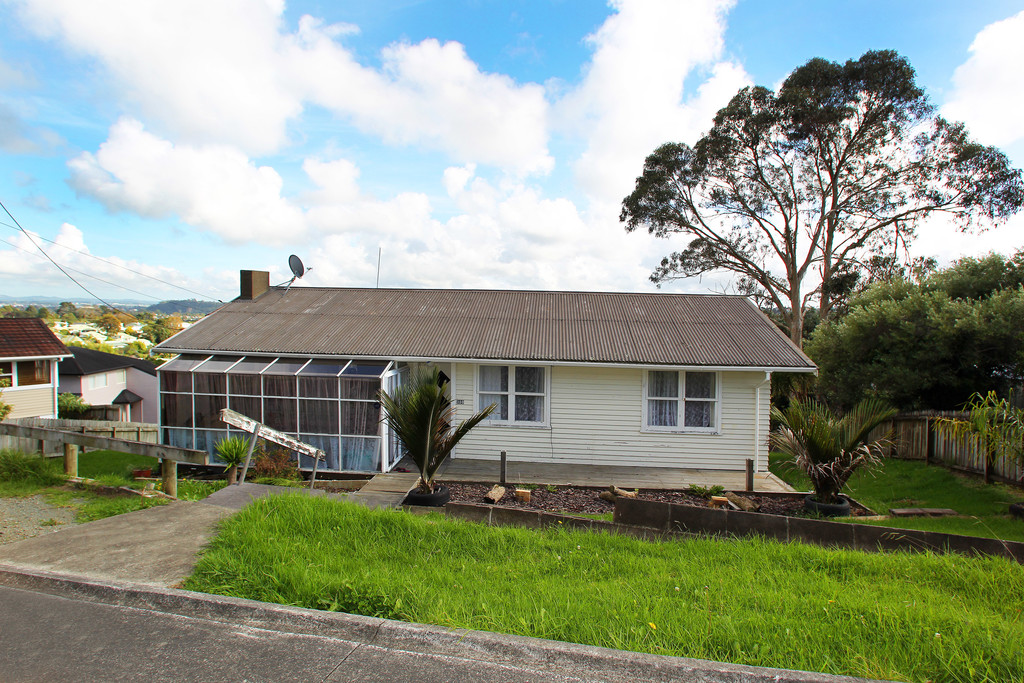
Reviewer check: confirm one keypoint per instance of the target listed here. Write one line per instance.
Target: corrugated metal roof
(27, 337)
(583, 327)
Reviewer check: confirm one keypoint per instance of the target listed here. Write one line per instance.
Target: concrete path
(238, 496)
(78, 629)
(156, 546)
(626, 477)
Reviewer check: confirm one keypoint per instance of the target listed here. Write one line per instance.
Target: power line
(117, 265)
(61, 269)
(88, 275)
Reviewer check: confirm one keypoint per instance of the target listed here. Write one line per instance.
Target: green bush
(71, 406)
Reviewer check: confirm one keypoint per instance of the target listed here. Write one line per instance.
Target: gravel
(22, 518)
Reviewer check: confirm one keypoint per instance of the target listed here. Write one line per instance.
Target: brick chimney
(254, 283)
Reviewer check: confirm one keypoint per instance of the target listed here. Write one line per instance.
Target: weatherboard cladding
(584, 327)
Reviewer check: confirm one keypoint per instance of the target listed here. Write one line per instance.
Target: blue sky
(476, 143)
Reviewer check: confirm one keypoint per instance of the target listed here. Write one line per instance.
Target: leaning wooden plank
(105, 442)
(250, 425)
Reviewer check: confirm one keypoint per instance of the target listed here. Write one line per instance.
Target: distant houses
(90, 333)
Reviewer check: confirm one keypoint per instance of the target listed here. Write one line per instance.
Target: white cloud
(24, 262)
(214, 187)
(988, 92)
(229, 72)
(632, 98)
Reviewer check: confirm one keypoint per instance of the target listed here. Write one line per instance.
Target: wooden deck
(385, 490)
(605, 475)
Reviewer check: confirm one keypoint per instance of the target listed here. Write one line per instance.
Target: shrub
(71, 406)
(276, 464)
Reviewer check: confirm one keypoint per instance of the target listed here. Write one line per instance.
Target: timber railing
(72, 434)
(917, 436)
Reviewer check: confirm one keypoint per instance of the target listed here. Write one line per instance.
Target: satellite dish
(298, 270)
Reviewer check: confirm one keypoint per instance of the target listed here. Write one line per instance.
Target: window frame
(680, 428)
(511, 393)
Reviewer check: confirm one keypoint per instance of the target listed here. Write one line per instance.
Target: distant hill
(185, 307)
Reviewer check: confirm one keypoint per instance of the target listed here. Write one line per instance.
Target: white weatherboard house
(656, 380)
(29, 354)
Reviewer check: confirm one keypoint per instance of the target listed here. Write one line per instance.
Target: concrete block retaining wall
(670, 517)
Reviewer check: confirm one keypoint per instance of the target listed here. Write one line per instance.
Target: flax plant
(997, 426)
(420, 415)
(828, 448)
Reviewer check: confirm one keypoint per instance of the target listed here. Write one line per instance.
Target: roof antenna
(298, 270)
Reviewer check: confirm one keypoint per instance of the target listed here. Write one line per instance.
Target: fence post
(71, 460)
(750, 475)
(169, 472)
(503, 468)
(929, 448)
(42, 447)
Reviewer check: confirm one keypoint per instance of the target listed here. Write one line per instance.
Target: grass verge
(898, 616)
(983, 508)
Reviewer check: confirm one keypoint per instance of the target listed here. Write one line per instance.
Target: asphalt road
(50, 638)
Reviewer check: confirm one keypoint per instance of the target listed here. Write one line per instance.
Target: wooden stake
(71, 460)
(750, 474)
(169, 470)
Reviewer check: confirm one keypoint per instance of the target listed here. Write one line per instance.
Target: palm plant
(419, 413)
(829, 448)
(232, 451)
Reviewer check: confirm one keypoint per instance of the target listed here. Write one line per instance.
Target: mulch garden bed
(581, 499)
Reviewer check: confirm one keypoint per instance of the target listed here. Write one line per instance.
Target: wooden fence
(134, 431)
(916, 437)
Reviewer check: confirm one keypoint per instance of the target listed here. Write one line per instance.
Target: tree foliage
(797, 191)
(997, 425)
(929, 344)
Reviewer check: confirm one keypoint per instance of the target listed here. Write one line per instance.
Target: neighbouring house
(29, 353)
(658, 380)
(104, 379)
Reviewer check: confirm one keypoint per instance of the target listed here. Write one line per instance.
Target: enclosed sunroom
(330, 403)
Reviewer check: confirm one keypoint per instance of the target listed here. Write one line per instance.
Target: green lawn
(95, 464)
(984, 509)
(893, 616)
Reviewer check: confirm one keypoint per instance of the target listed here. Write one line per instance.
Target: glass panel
(274, 385)
(206, 440)
(700, 384)
(207, 383)
(286, 366)
(208, 411)
(500, 410)
(318, 387)
(493, 378)
(176, 410)
(325, 367)
(529, 408)
(244, 384)
(366, 369)
(176, 381)
(247, 405)
(698, 413)
(318, 417)
(360, 389)
(329, 445)
(183, 363)
(663, 384)
(280, 414)
(180, 438)
(360, 418)
(219, 364)
(530, 380)
(360, 454)
(251, 365)
(32, 372)
(663, 413)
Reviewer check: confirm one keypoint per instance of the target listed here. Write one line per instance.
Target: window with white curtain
(681, 401)
(519, 393)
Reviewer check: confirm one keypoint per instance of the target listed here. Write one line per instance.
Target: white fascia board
(504, 361)
(7, 359)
